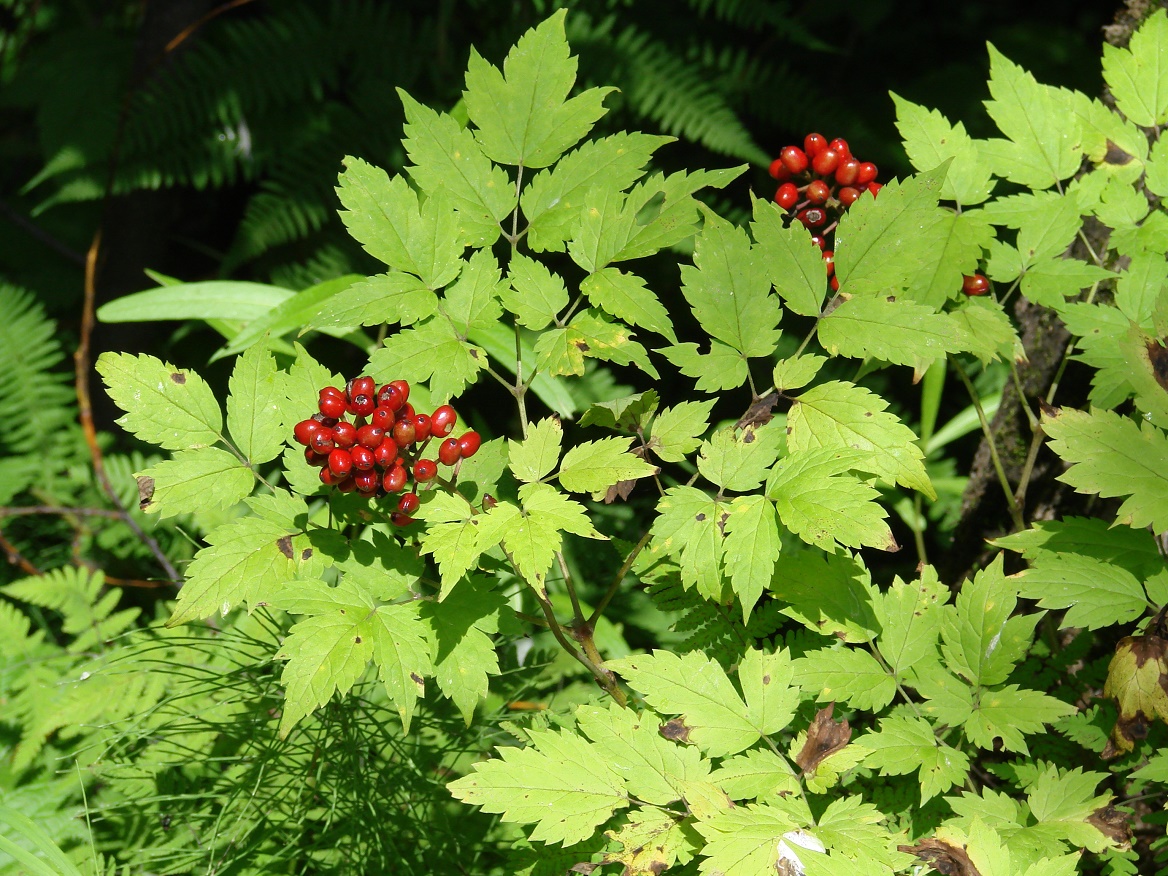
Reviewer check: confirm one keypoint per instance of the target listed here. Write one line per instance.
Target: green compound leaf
(897, 331)
(910, 618)
(431, 352)
(687, 527)
(989, 329)
(847, 675)
(1138, 75)
(1140, 287)
(554, 198)
(594, 466)
(752, 543)
(797, 371)
(1095, 593)
(739, 460)
(392, 298)
(1010, 713)
(553, 509)
(562, 351)
(627, 414)
(447, 158)
(907, 743)
(534, 458)
(754, 774)
(534, 294)
(451, 536)
(930, 140)
(625, 297)
(720, 369)
(473, 301)
(748, 840)
(841, 415)
(1132, 549)
(383, 216)
(194, 481)
(562, 784)
(957, 240)
(852, 829)
(329, 651)
(729, 292)
(791, 260)
(522, 114)
(820, 501)
(675, 432)
(1112, 456)
(254, 417)
(1043, 135)
(1064, 803)
(830, 594)
(171, 407)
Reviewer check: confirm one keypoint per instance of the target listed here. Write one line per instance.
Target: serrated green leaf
(430, 352)
(626, 297)
(847, 675)
(1156, 176)
(830, 594)
(988, 328)
(797, 371)
(790, 258)
(1065, 804)
(522, 114)
(556, 510)
(383, 566)
(728, 290)
(756, 773)
(383, 215)
(821, 502)
(739, 460)
(720, 369)
(562, 351)
(473, 301)
(675, 432)
(392, 298)
(851, 828)
(194, 481)
(254, 418)
(592, 466)
(605, 224)
(301, 385)
(687, 527)
(171, 407)
(906, 743)
(1095, 593)
(1140, 286)
(534, 294)
(451, 537)
(752, 543)
(447, 158)
(1043, 145)
(1112, 456)
(1052, 281)
(957, 241)
(531, 536)
(1137, 75)
(930, 140)
(910, 620)
(766, 681)
(1125, 546)
(1047, 222)
(1121, 205)
(842, 415)
(626, 414)
(534, 458)
(1010, 713)
(745, 841)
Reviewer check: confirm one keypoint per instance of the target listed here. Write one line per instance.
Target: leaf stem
(618, 579)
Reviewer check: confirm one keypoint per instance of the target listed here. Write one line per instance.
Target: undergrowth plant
(805, 705)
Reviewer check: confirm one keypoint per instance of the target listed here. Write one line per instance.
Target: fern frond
(34, 400)
(77, 595)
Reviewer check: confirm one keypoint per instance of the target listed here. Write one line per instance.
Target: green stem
(618, 580)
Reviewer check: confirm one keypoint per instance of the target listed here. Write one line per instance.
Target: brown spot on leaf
(1113, 824)
(584, 867)
(748, 436)
(305, 555)
(145, 492)
(357, 639)
(760, 412)
(675, 730)
(1117, 156)
(1137, 679)
(943, 857)
(722, 522)
(582, 346)
(1158, 358)
(284, 543)
(766, 679)
(825, 737)
(891, 299)
(417, 678)
(620, 490)
(178, 377)
(700, 517)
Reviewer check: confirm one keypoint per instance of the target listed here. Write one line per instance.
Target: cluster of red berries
(381, 448)
(818, 183)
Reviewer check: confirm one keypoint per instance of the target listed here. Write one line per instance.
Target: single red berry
(407, 412)
(344, 434)
(328, 478)
(323, 420)
(408, 503)
(812, 217)
(813, 144)
(314, 458)
(363, 405)
(819, 240)
(787, 196)
(389, 396)
(304, 430)
(331, 390)
(347, 485)
(363, 458)
(425, 470)
(442, 421)
(395, 478)
(874, 188)
(818, 192)
(340, 462)
(360, 386)
(397, 518)
(866, 173)
(840, 145)
(403, 388)
(829, 261)
(332, 405)
(385, 453)
(779, 170)
(450, 451)
(469, 444)
(848, 195)
(975, 285)
(322, 440)
(404, 432)
(835, 284)
(847, 172)
(826, 162)
(421, 427)
(382, 417)
(366, 481)
(370, 436)
(794, 159)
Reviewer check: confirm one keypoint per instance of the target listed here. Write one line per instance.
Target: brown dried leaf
(145, 492)
(1137, 680)
(760, 412)
(824, 738)
(1113, 824)
(944, 858)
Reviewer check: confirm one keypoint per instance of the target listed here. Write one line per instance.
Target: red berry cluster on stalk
(818, 183)
(381, 449)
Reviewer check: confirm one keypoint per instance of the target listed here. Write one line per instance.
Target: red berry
(834, 284)
(407, 412)
(813, 144)
(328, 478)
(333, 391)
(404, 432)
(787, 196)
(847, 172)
(826, 162)
(778, 170)
(366, 481)
(975, 285)
(408, 503)
(840, 145)
(360, 386)
(382, 417)
(397, 518)
(363, 458)
(866, 173)
(469, 444)
(370, 436)
(450, 451)
(347, 485)
(395, 478)
(386, 453)
(848, 195)
(794, 159)
(314, 458)
(363, 405)
(403, 388)
(304, 430)
(874, 188)
(425, 470)
(819, 240)
(322, 440)
(818, 192)
(812, 217)
(390, 396)
(345, 434)
(332, 405)
(829, 261)
(442, 421)
(340, 463)
(421, 427)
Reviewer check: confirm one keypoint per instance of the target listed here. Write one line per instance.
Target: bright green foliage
(930, 140)
(168, 406)
(906, 743)
(1137, 76)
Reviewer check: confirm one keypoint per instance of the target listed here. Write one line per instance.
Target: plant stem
(618, 580)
